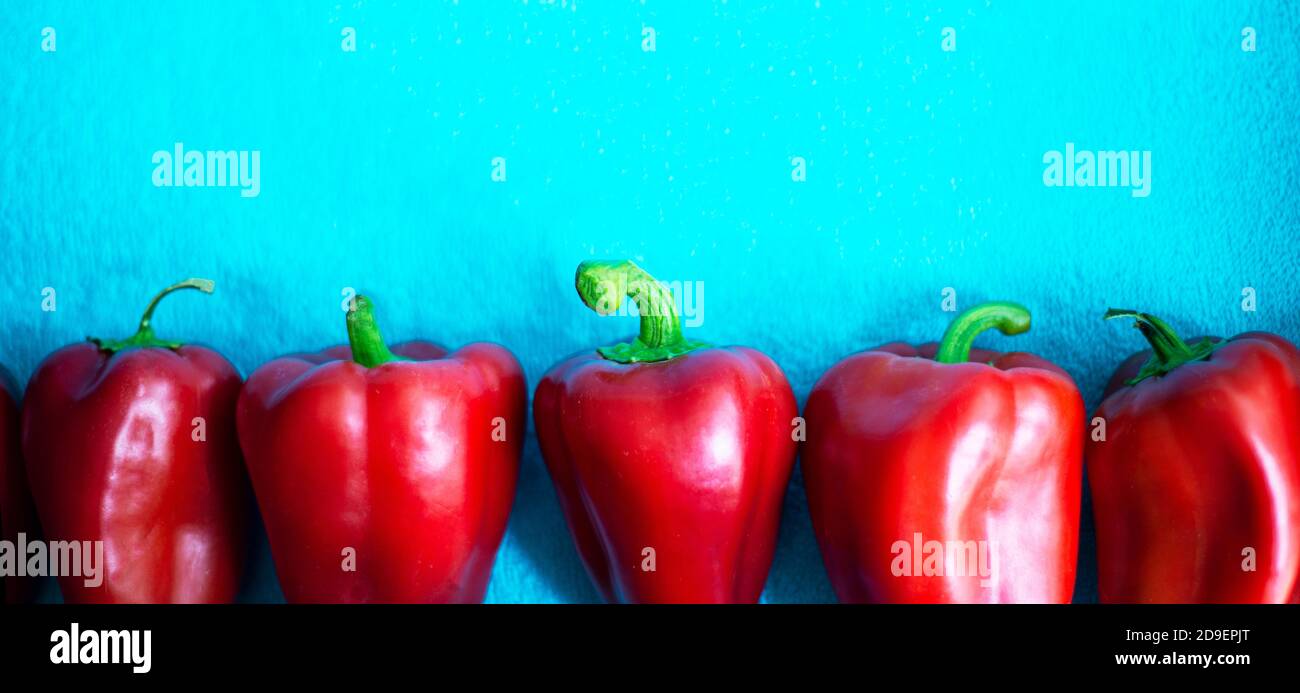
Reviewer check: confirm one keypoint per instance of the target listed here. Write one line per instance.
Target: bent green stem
(1168, 350)
(1009, 318)
(368, 347)
(144, 335)
(603, 284)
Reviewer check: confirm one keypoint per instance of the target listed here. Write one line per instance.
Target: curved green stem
(1168, 350)
(144, 336)
(1008, 318)
(368, 347)
(603, 284)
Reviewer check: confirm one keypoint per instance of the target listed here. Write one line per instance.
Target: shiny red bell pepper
(385, 475)
(1195, 477)
(132, 442)
(946, 474)
(17, 514)
(670, 457)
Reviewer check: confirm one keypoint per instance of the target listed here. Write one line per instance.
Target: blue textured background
(924, 172)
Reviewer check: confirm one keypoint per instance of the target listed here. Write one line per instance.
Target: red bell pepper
(385, 475)
(132, 442)
(1196, 481)
(17, 514)
(944, 473)
(670, 457)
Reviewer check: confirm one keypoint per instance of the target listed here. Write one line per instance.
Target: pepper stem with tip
(144, 335)
(603, 284)
(1009, 318)
(1168, 350)
(368, 347)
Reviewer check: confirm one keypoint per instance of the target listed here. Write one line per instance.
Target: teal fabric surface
(924, 172)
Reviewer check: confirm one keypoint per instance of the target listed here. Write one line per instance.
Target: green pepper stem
(144, 335)
(603, 284)
(1168, 350)
(1009, 318)
(368, 347)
